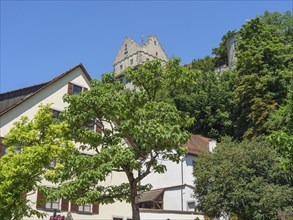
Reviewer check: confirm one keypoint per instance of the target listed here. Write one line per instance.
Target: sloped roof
(10, 100)
(150, 195)
(197, 144)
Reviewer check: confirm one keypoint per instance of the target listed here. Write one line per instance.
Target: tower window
(156, 53)
(155, 42)
(125, 46)
(131, 61)
(121, 67)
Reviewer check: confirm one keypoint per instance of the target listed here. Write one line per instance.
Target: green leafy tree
(264, 63)
(284, 145)
(243, 178)
(32, 146)
(151, 126)
(210, 101)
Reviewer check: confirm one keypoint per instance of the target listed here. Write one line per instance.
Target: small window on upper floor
(125, 46)
(131, 62)
(55, 113)
(75, 89)
(155, 42)
(156, 53)
(121, 67)
(147, 59)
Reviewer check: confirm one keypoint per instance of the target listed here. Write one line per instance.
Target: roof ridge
(46, 85)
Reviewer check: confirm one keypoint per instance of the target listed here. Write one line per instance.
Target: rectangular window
(131, 62)
(55, 113)
(121, 67)
(84, 208)
(91, 125)
(190, 206)
(75, 89)
(52, 205)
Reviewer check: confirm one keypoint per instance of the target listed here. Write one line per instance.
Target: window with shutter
(75, 89)
(40, 200)
(74, 207)
(84, 208)
(70, 89)
(96, 208)
(99, 127)
(64, 205)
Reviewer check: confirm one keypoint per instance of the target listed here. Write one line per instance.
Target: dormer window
(75, 89)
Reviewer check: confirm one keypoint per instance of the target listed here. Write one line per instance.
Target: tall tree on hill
(264, 54)
(210, 101)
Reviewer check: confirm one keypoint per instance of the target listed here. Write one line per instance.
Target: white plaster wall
(172, 198)
(173, 175)
(170, 216)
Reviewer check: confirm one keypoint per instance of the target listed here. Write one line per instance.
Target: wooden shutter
(96, 208)
(74, 207)
(85, 89)
(2, 147)
(64, 205)
(70, 88)
(40, 200)
(99, 127)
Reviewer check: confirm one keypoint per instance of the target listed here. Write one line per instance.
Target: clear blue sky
(42, 39)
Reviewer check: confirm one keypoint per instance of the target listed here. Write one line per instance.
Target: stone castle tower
(231, 49)
(133, 54)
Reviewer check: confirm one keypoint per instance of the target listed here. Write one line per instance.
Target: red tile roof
(197, 144)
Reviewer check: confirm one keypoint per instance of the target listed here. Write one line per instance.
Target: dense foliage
(245, 179)
(33, 145)
(251, 178)
(252, 99)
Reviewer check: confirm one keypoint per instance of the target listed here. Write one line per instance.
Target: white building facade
(26, 102)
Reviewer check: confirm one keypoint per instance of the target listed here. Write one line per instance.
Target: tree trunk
(133, 194)
(135, 211)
